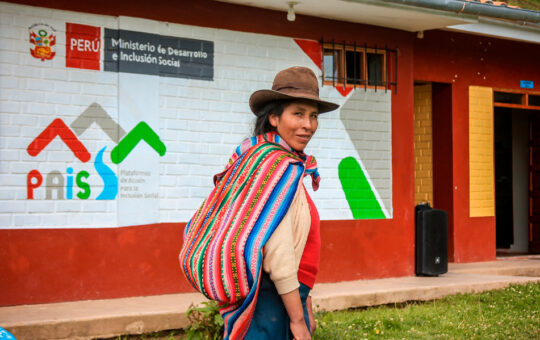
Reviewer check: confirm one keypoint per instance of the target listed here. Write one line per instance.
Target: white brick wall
(200, 122)
(367, 119)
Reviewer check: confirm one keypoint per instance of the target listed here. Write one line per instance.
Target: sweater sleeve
(283, 251)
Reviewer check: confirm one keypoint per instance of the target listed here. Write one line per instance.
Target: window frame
(332, 48)
(363, 68)
(363, 82)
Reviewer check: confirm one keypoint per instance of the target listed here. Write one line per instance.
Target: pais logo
(73, 182)
(43, 39)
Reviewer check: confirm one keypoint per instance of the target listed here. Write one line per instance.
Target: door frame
(524, 104)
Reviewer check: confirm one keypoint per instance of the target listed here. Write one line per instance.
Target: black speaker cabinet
(431, 246)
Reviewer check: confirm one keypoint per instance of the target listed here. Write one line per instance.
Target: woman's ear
(273, 119)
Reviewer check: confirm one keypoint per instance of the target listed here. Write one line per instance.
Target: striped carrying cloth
(222, 251)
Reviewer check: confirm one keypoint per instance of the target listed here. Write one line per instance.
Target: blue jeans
(270, 319)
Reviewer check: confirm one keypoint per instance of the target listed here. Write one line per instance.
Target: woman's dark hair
(262, 124)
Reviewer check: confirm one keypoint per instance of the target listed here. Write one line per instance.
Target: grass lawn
(510, 313)
(526, 4)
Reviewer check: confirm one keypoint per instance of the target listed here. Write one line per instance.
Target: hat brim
(262, 97)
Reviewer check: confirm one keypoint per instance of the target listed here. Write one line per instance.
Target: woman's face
(297, 123)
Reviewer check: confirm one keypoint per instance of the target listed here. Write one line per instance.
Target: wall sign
(83, 46)
(152, 54)
(526, 84)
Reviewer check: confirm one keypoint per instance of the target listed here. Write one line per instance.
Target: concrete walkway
(108, 318)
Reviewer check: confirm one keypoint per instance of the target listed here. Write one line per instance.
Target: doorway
(433, 150)
(443, 183)
(517, 179)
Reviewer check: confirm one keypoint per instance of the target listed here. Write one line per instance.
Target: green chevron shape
(358, 192)
(140, 132)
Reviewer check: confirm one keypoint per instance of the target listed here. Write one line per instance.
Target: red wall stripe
(51, 265)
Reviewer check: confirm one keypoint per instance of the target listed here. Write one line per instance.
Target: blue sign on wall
(526, 84)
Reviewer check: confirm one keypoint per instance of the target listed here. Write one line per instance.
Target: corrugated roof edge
(485, 8)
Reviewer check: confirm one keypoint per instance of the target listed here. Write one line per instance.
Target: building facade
(114, 120)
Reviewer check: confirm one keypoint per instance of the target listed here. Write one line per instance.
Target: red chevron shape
(60, 129)
(344, 90)
(313, 50)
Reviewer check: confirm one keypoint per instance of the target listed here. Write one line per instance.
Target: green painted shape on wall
(358, 192)
(140, 132)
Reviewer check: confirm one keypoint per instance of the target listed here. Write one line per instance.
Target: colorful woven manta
(222, 252)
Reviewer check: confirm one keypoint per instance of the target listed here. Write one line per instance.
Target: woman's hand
(299, 330)
(294, 308)
(312, 322)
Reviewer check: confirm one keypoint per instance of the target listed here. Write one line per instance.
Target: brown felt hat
(292, 83)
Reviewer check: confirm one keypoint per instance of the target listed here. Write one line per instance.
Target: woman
(254, 243)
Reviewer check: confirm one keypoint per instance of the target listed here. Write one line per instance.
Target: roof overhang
(382, 14)
(399, 16)
(500, 29)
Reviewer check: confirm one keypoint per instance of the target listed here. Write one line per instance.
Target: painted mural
(61, 186)
(110, 122)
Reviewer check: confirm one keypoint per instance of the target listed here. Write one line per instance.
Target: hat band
(295, 90)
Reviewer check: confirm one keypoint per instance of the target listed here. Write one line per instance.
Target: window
(332, 66)
(515, 99)
(358, 66)
(508, 97)
(376, 69)
(534, 100)
(354, 66)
